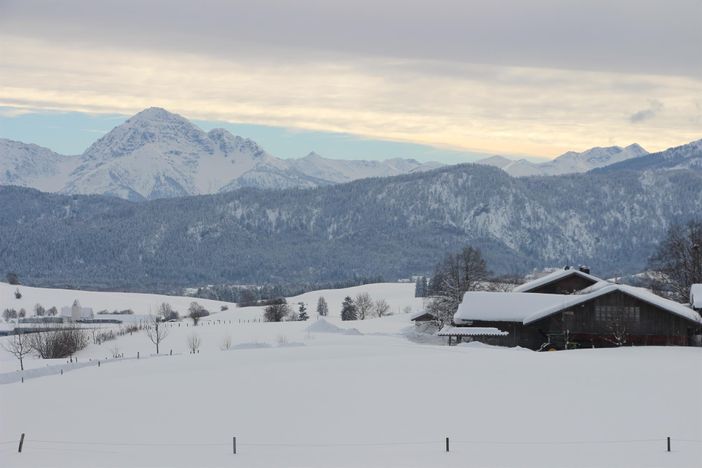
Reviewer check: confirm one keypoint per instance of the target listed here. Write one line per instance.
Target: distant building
(75, 312)
(570, 308)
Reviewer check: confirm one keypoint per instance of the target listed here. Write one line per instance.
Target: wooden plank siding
(593, 323)
(567, 285)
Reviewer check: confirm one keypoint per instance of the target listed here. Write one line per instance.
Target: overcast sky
(515, 77)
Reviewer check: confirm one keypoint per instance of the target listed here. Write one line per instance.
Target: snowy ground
(331, 397)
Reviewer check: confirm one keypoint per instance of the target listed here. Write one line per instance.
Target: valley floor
(327, 397)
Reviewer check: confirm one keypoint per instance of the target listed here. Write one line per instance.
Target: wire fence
(26, 444)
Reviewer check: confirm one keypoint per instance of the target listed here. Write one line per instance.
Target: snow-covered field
(321, 394)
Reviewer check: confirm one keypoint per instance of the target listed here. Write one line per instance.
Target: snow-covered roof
(696, 296)
(554, 276)
(528, 308)
(504, 306)
(421, 313)
(471, 331)
(639, 293)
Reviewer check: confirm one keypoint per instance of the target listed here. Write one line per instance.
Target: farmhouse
(570, 309)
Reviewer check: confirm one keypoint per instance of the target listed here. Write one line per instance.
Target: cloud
(473, 107)
(647, 114)
(653, 37)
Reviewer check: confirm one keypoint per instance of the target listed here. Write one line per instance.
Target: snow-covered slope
(158, 154)
(33, 166)
(567, 163)
(321, 394)
(687, 156)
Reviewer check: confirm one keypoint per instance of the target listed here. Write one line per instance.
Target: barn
(593, 313)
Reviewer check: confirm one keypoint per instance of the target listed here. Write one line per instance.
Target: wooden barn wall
(595, 322)
(565, 285)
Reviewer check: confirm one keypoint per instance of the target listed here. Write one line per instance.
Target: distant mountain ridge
(158, 154)
(396, 226)
(568, 163)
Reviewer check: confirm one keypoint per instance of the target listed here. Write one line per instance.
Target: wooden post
(21, 443)
(447, 444)
(98, 363)
(234, 445)
(171, 353)
(137, 354)
(61, 371)
(669, 444)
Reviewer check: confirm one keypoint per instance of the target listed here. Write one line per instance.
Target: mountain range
(611, 219)
(567, 163)
(158, 154)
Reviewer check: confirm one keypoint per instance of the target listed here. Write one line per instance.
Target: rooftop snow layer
(504, 306)
(551, 277)
(639, 293)
(528, 308)
(471, 331)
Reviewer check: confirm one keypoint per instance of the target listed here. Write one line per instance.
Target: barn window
(611, 313)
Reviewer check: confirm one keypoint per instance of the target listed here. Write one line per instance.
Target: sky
(446, 80)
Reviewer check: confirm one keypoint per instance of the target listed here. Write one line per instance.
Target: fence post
(21, 443)
(669, 444)
(137, 354)
(447, 444)
(234, 445)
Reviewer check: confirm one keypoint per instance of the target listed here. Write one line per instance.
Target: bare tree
(39, 310)
(156, 330)
(679, 259)
(226, 343)
(19, 346)
(194, 342)
(364, 305)
(59, 342)
(277, 311)
(456, 274)
(196, 312)
(167, 312)
(618, 333)
(381, 308)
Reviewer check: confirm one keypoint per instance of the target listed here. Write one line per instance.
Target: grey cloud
(632, 36)
(647, 114)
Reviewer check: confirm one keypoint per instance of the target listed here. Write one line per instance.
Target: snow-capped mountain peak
(159, 154)
(567, 163)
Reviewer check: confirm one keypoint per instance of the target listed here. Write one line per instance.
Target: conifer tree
(348, 309)
(302, 312)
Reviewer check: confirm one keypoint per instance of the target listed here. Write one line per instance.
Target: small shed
(422, 317)
(459, 333)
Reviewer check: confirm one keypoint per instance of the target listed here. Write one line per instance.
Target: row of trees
(359, 308)
(52, 343)
(362, 307)
(39, 311)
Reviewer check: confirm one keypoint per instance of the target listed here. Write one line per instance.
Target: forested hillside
(392, 227)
